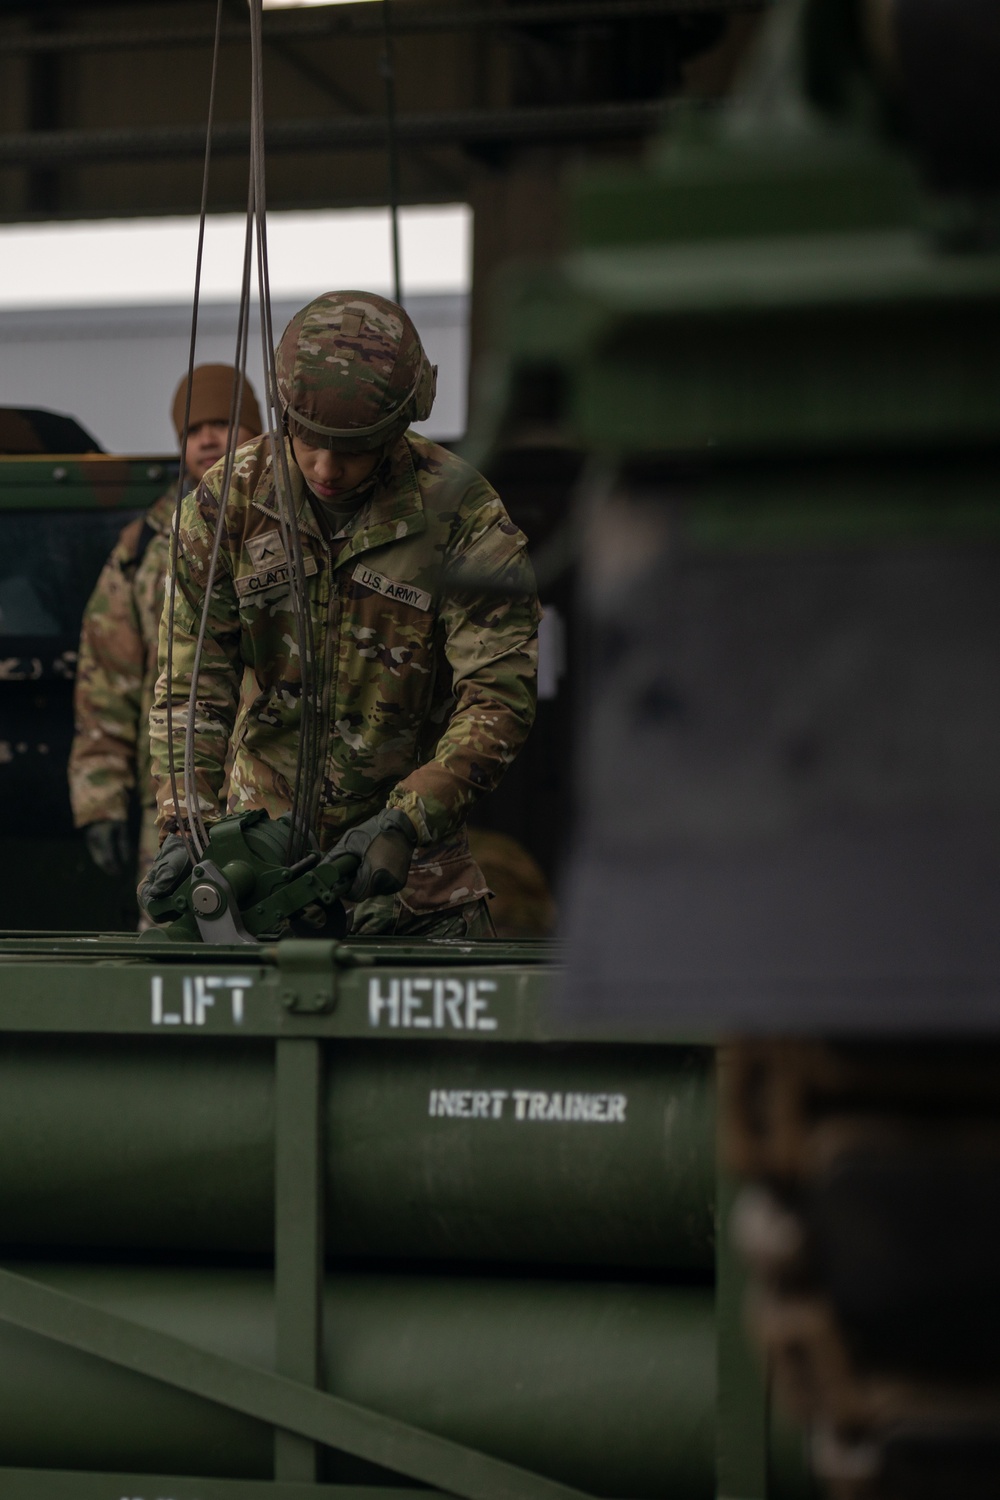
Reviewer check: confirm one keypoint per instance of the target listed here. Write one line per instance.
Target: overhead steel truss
(52, 148)
(366, 20)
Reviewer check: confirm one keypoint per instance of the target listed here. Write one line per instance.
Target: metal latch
(308, 971)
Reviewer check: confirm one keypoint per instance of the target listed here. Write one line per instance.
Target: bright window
(135, 262)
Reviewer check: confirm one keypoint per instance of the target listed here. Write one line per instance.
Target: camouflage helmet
(352, 372)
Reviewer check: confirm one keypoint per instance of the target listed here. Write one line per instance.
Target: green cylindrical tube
(596, 1156)
(549, 1155)
(609, 1387)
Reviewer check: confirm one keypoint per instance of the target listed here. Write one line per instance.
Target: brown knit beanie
(211, 398)
(522, 905)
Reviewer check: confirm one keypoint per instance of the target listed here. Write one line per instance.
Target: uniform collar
(265, 495)
(160, 515)
(394, 510)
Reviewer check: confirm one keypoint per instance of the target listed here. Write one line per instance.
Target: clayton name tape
(269, 578)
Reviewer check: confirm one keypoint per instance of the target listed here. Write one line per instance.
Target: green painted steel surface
(691, 191)
(753, 290)
(433, 1152)
(91, 481)
(389, 989)
(268, 1397)
(54, 1484)
(606, 1387)
(523, 1219)
(741, 325)
(299, 1237)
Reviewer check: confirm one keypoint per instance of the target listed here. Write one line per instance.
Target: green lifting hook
(241, 891)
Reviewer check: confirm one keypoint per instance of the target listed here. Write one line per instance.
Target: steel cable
(306, 771)
(198, 829)
(181, 475)
(192, 827)
(310, 751)
(392, 145)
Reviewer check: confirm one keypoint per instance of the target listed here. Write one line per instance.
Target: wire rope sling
(251, 876)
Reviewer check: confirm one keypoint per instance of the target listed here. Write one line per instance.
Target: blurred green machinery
(338, 1220)
(778, 341)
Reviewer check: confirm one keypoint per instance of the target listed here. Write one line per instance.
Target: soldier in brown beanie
(118, 647)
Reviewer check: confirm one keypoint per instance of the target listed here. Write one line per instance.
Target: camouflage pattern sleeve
(491, 644)
(108, 695)
(218, 680)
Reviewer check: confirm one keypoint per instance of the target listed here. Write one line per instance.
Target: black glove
(110, 846)
(384, 846)
(168, 869)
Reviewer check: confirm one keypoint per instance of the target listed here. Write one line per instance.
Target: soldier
(428, 687)
(118, 646)
(522, 905)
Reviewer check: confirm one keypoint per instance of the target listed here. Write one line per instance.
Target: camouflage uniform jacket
(117, 672)
(429, 690)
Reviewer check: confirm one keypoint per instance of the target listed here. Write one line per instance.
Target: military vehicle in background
(62, 504)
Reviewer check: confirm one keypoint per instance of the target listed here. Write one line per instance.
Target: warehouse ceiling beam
(320, 79)
(350, 133)
(365, 21)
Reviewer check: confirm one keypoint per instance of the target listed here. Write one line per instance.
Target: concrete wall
(115, 369)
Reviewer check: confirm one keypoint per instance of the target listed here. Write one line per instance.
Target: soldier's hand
(384, 847)
(168, 869)
(109, 845)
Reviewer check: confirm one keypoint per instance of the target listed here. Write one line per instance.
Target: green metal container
(549, 1155)
(608, 1387)
(524, 1296)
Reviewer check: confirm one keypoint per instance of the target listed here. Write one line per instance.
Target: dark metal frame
(304, 994)
(33, 148)
(365, 21)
